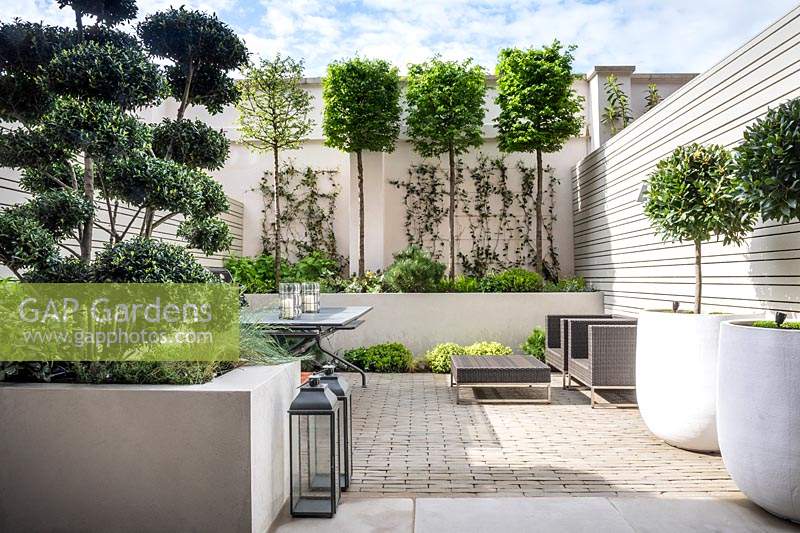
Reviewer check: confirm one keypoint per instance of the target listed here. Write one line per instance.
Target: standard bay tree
(692, 196)
(445, 116)
(539, 110)
(69, 102)
(362, 113)
(273, 116)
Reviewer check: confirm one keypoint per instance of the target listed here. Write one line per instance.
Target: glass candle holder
(290, 302)
(310, 297)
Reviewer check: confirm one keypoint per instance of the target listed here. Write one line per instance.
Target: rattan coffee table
(494, 371)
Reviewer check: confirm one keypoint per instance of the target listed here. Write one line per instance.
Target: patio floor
(411, 439)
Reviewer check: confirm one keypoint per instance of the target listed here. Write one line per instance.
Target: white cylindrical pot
(676, 377)
(759, 414)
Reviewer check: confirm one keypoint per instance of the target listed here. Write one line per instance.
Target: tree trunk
(698, 277)
(79, 24)
(539, 222)
(276, 200)
(452, 215)
(360, 214)
(88, 193)
(185, 98)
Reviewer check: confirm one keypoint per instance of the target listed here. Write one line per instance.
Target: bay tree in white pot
(691, 198)
(759, 361)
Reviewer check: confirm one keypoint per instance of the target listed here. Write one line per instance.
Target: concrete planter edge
(148, 457)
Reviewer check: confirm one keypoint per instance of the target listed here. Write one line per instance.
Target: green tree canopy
(445, 116)
(79, 145)
(692, 197)
(202, 49)
(362, 105)
(539, 110)
(362, 112)
(274, 115)
(768, 163)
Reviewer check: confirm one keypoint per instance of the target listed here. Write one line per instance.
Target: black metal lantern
(314, 448)
(342, 389)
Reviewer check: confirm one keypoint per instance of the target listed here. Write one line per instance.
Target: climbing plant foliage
(498, 220)
(308, 197)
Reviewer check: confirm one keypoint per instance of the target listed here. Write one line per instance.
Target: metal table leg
(345, 363)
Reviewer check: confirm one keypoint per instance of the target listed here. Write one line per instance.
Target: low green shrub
(576, 284)
(512, 280)
(773, 325)
(315, 266)
(414, 270)
(370, 282)
(387, 357)
(255, 346)
(438, 357)
(534, 345)
(462, 283)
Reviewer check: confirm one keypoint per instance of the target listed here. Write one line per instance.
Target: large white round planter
(676, 377)
(759, 414)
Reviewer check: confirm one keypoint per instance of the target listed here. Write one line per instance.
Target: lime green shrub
(487, 348)
(534, 345)
(387, 357)
(438, 357)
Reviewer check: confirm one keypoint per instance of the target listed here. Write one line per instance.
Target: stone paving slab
(411, 438)
(593, 515)
(379, 515)
(544, 515)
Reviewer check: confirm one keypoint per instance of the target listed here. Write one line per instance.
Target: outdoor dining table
(306, 332)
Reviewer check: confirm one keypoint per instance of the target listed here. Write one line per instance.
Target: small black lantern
(342, 389)
(314, 448)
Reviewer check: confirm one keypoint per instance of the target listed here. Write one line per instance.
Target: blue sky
(656, 36)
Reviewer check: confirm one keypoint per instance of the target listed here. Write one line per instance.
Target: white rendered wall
(384, 229)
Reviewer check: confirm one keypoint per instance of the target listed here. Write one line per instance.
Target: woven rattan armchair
(603, 356)
(554, 347)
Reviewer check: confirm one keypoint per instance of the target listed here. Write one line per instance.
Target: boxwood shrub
(386, 357)
(534, 345)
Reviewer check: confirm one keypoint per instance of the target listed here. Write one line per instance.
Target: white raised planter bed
(759, 414)
(211, 457)
(420, 321)
(676, 377)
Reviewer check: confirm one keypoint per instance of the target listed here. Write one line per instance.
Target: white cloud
(654, 35)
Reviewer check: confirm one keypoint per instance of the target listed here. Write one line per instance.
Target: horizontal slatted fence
(615, 248)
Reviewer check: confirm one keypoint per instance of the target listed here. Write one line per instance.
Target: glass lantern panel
(313, 460)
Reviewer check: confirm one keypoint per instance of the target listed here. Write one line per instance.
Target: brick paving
(410, 438)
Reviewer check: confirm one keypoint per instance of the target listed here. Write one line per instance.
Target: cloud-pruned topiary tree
(274, 115)
(692, 196)
(362, 113)
(768, 164)
(445, 116)
(539, 110)
(71, 95)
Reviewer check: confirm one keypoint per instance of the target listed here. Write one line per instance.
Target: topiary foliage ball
(768, 163)
(692, 196)
(143, 260)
